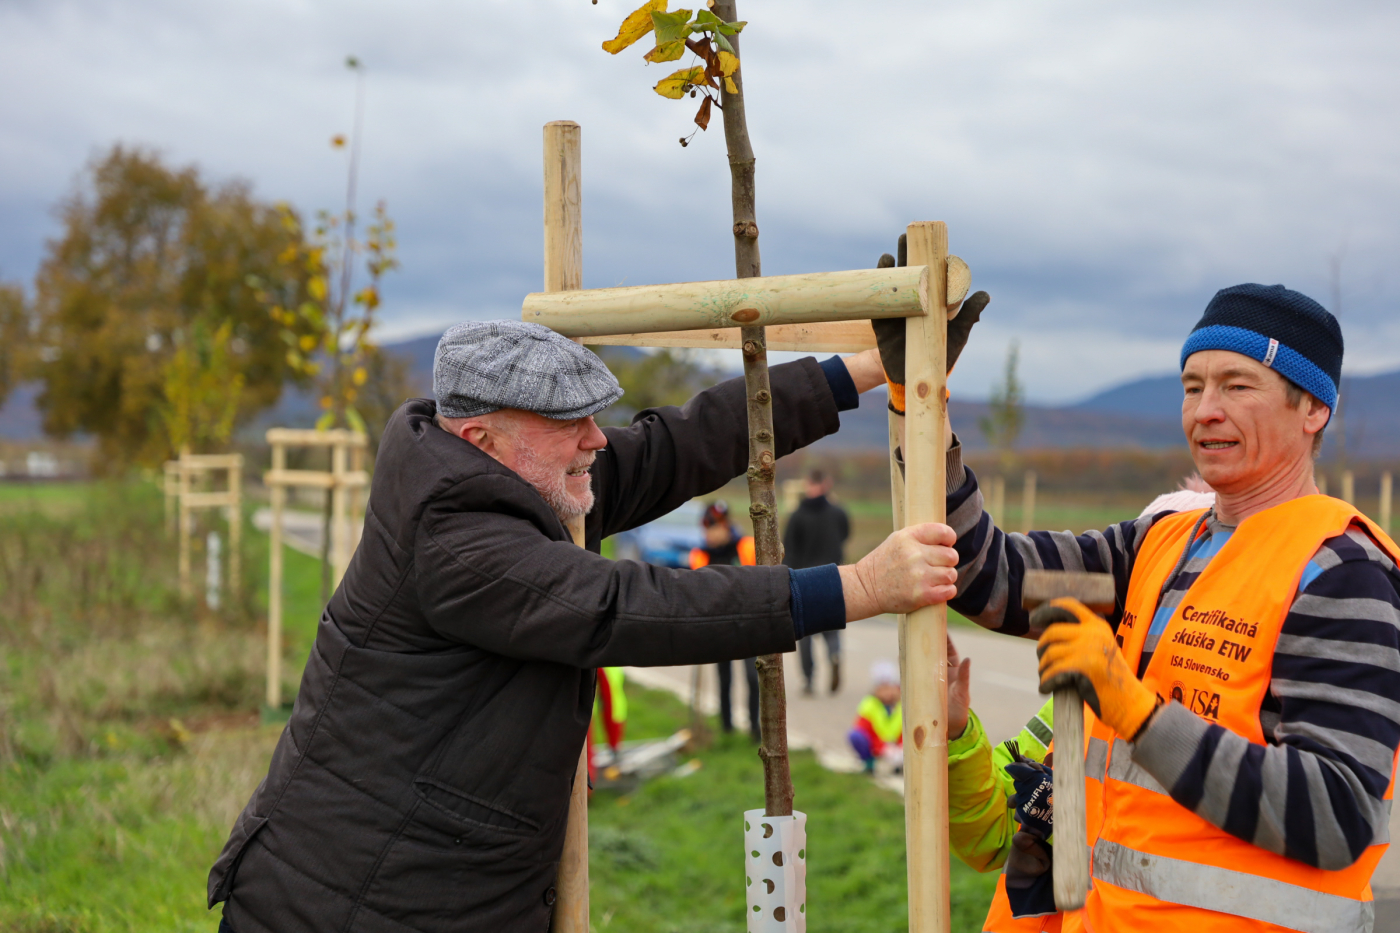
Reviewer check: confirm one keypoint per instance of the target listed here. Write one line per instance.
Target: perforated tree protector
(775, 872)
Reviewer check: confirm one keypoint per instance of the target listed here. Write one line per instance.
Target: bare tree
(713, 37)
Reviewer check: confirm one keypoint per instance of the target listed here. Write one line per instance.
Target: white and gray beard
(549, 481)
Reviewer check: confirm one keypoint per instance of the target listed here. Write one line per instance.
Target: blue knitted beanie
(1283, 329)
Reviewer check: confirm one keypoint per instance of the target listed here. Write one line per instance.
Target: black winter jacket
(423, 780)
(816, 534)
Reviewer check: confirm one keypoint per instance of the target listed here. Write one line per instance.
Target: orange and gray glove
(1077, 649)
(889, 332)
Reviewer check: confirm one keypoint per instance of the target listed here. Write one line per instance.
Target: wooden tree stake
(563, 271)
(338, 484)
(925, 643)
(1028, 502)
(274, 582)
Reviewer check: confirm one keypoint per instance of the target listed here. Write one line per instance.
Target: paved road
(1003, 694)
(1003, 686)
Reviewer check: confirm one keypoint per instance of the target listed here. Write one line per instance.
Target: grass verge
(668, 857)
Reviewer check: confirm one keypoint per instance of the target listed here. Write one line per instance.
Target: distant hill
(1044, 428)
(1153, 397)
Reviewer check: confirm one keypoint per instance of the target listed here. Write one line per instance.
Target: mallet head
(1038, 587)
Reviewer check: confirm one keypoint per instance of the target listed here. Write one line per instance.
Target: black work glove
(1030, 884)
(889, 332)
(1035, 795)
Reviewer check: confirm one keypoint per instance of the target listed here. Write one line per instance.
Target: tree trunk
(326, 551)
(763, 508)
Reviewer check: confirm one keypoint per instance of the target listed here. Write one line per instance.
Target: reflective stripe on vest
(1096, 759)
(1164, 867)
(1232, 892)
(1122, 768)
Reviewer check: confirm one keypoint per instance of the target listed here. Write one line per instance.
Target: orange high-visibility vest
(1155, 864)
(699, 557)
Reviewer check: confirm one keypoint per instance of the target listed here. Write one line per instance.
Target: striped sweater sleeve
(992, 563)
(1331, 720)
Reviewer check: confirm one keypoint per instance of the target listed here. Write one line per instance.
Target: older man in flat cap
(423, 780)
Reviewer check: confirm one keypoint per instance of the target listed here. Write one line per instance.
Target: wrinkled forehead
(1206, 365)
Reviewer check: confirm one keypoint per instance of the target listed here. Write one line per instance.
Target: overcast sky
(1103, 167)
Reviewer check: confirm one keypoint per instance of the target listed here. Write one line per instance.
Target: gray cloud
(1103, 167)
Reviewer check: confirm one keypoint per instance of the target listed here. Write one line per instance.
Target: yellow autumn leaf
(674, 84)
(360, 377)
(307, 342)
(667, 51)
(637, 24)
(317, 287)
(730, 86)
(728, 64)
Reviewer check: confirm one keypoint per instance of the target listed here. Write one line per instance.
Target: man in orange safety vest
(1243, 697)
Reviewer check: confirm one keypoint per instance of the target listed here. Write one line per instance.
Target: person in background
(611, 709)
(816, 534)
(879, 728)
(726, 545)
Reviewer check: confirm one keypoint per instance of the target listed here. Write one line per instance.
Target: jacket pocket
(226, 867)
(472, 810)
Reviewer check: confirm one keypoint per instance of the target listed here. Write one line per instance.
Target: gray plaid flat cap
(484, 366)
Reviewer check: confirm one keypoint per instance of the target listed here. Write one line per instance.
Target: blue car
(665, 542)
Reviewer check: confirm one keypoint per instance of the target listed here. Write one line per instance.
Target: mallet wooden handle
(1071, 848)
(1071, 852)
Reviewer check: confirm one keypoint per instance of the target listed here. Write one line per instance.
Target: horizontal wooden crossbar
(209, 500)
(830, 337)
(304, 437)
(771, 300)
(316, 479)
(194, 462)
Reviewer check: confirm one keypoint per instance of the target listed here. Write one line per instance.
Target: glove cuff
(896, 396)
(1136, 713)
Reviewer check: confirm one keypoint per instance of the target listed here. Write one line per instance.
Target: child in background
(879, 728)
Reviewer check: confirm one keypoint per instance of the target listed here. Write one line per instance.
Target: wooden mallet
(1071, 849)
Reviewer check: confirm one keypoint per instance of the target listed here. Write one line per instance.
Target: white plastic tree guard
(775, 872)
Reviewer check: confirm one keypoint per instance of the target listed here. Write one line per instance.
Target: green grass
(129, 742)
(123, 841)
(669, 856)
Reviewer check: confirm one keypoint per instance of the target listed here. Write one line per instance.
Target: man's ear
(481, 437)
(1318, 414)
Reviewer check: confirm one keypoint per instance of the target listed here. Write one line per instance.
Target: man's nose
(1208, 408)
(593, 437)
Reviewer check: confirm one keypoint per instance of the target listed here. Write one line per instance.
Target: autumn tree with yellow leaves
(144, 332)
